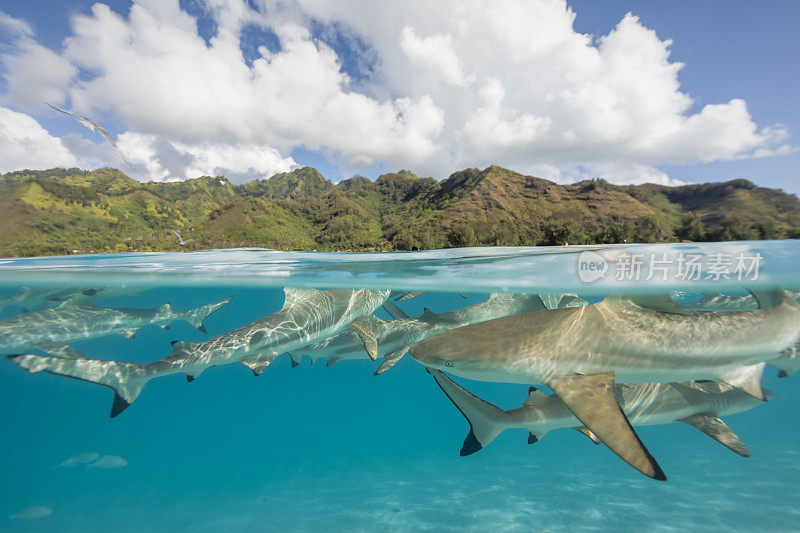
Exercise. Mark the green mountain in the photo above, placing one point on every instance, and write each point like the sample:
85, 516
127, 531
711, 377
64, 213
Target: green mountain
59, 211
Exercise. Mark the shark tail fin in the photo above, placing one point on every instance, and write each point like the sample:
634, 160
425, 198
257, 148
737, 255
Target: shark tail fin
486, 421
196, 316
126, 379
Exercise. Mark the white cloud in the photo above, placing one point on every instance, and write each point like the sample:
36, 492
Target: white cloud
161, 160
24, 144
456, 84
36, 74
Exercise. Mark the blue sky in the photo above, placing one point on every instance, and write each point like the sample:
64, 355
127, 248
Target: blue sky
349, 88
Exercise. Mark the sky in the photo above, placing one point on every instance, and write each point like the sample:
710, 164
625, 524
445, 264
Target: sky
627, 91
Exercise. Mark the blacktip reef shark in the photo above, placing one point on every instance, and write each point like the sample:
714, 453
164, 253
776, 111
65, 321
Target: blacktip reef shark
307, 315
32, 299
76, 319
580, 352
789, 361
714, 301
699, 404
395, 337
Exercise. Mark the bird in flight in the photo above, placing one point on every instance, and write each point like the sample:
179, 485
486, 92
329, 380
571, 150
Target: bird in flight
94, 126
180, 239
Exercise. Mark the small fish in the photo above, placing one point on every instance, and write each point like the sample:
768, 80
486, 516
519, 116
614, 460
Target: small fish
34, 512
80, 459
108, 462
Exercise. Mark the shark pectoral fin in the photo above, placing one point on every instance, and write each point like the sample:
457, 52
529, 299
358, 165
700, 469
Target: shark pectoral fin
390, 360
129, 333
586, 431
394, 311
659, 302
257, 364
593, 401
60, 350
748, 378
718, 430
363, 327
332, 361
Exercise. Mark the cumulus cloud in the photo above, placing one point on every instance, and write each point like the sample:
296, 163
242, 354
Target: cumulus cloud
162, 160
25, 144
36, 74
452, 85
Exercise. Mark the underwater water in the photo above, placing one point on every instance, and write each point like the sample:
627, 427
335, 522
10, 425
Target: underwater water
336, 448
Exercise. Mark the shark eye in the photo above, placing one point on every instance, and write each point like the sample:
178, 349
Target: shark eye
448, 363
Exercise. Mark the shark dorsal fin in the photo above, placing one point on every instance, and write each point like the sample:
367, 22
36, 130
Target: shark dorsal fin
293, 296
533, 395
572, 300
78, 299
332, 361
593, 401
427, 314
718, 430
767, 298
748, 378
179, 346
551, 300
658, 302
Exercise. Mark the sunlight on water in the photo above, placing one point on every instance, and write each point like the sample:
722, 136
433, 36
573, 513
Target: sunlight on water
398, 391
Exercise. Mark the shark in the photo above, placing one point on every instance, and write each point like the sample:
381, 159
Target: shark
789, 361
581, 352
699, 404
29, 299
307, 315
76, 319
714, 301
395, 337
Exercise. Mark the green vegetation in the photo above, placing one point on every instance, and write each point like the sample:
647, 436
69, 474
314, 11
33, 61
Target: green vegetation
58, 211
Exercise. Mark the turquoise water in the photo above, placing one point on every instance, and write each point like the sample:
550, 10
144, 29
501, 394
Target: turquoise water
338, 449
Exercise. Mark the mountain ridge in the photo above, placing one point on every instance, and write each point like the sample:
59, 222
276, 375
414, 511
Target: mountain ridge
58, 211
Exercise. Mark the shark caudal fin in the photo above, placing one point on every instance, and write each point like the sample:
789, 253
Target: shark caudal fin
485, 420
364, 327
125, 379
196, 316
592, 399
